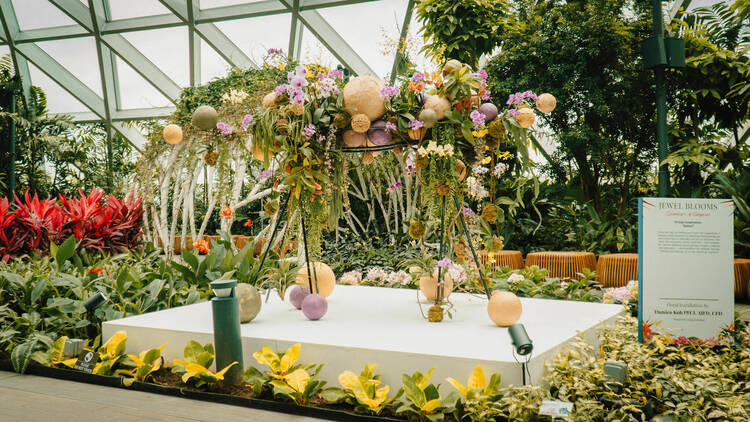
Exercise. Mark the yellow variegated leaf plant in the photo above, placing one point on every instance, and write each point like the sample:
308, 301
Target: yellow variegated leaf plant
111, 353
422, 399
363, 390
476, 387
146, 363
286, 378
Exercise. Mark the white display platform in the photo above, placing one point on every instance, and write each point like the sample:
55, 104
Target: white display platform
384, 326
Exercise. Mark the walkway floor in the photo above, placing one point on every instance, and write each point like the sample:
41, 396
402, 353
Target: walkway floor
30, 398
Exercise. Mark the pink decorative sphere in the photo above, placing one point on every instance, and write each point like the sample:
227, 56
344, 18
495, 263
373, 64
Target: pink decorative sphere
379, 137
489, 110
297, 295
314, 306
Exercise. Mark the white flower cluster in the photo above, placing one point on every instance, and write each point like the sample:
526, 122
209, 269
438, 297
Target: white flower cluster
515, 278
411, 163
477, 169
500, 168
352, 277
327, 87
234, 97
399, 277
457, 272
376, 274
475, 188
433, 148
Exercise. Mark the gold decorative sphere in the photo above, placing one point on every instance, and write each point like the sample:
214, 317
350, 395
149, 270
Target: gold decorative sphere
438, 104
324, 274
362, 95
504, 308
525, 117
428, 284
360, 123
353, 139
269, 100
546, 103
172, 134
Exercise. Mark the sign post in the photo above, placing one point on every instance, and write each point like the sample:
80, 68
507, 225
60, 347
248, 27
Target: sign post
685, 268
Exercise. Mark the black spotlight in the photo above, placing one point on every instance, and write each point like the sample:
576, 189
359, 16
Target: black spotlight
520, 339
94, 302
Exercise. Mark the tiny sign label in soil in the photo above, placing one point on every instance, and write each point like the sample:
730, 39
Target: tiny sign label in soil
86, 361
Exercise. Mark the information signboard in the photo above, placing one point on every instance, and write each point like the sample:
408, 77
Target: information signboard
685, 268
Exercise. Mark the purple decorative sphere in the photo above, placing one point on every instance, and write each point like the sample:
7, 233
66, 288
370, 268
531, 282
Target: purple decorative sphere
314, 306
379, 137
297, 295
489, 110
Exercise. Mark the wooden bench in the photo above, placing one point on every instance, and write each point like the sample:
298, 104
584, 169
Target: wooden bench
616, 269
562, 264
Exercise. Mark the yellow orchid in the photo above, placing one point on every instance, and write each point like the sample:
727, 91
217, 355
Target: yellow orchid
479, 133
486, 160
476, 386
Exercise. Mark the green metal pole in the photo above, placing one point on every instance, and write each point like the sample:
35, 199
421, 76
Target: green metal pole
12, 158
661, 105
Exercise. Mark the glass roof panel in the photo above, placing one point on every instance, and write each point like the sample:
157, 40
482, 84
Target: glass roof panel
136, 92
212, 64
256, 35
170, 54
207, 4
121, 9
366, 27
35, 14
58, 99
313, 51
78, 55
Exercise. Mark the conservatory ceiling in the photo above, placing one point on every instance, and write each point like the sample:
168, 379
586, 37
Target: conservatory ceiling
121, 60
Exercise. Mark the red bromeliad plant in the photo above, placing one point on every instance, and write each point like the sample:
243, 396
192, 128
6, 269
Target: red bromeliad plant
29, 225
12, 237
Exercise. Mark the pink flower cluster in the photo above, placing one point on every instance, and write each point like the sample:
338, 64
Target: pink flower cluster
417, 77
247, 121
500, 169
265, 174
518, 97
293, 89
390, 126
275, 51
309, 130
389, 91
415, 124
336, 74
395, 186
224, 128
477, 118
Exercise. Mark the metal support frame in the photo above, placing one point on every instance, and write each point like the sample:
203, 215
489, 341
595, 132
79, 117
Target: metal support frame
93, 19
402, 41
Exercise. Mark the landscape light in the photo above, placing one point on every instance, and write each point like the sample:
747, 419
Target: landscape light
225, 308
223, 288
520, 339
94, 302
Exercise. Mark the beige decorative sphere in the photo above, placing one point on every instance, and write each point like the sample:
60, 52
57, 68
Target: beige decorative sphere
429, 117
324, 274
205, 117
257, 150
362, 95
269, 100
250, 301
546, 103
172, 134
438, 104
525, 117
452, 66
504, 308
353, 139
360, 123
428, 285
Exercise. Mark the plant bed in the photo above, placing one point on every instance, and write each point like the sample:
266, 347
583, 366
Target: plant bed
170, 384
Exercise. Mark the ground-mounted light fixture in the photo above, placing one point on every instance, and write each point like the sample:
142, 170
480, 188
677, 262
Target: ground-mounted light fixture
522, 346
225, 308
94, 302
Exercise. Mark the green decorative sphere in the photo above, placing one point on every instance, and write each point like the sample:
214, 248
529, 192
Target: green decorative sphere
205, 118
